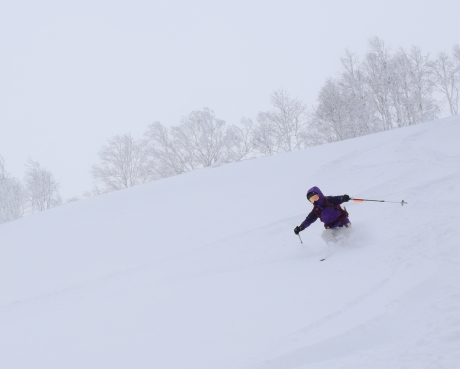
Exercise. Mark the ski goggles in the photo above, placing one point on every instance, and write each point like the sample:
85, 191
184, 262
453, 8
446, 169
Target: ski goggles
313, 198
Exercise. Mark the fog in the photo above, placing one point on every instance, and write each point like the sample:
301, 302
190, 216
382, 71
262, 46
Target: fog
74, 74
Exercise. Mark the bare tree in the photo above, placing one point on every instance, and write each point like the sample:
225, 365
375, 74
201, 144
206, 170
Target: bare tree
446, 78
124, 163
11, 196
42, 190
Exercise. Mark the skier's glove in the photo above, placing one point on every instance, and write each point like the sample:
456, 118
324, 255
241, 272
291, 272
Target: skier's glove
345, 198
298, 229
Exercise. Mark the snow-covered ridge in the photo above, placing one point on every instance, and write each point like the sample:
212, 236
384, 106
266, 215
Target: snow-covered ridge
203, 270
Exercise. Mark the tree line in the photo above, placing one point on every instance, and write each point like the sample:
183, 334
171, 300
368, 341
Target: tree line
38, 191
381, 91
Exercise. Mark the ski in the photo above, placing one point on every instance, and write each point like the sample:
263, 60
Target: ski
325, 257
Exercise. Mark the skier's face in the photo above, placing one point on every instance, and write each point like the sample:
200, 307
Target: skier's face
314, 198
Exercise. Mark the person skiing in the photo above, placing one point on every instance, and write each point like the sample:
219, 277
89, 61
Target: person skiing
329, 211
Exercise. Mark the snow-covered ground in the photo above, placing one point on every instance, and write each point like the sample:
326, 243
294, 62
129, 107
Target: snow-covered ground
203, 270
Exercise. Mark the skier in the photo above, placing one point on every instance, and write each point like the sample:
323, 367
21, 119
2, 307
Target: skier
329, 211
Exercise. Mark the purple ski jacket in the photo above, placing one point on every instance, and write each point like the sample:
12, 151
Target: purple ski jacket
329, 215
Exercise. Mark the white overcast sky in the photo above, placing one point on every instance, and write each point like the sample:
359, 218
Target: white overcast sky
74, 73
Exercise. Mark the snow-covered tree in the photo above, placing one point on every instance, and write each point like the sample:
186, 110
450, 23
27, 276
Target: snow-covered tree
205, 139
42, 190
356, 92
200, 140
445, 73
330, 114
244, 144
72, 199
11, 196
345, 108
165, 158
123, 163
456, 54
383, 83
359, 115
96, 191
265, 141
284, 128
415, 92
385, 91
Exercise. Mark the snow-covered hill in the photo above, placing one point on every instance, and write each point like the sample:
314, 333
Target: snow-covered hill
203, 270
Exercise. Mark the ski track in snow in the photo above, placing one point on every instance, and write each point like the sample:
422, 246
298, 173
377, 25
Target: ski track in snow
204, 271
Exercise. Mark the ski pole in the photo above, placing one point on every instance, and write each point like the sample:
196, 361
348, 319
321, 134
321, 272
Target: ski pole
395, 202
300, 238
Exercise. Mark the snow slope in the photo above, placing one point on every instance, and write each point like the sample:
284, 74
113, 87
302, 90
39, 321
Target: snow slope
203, 270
